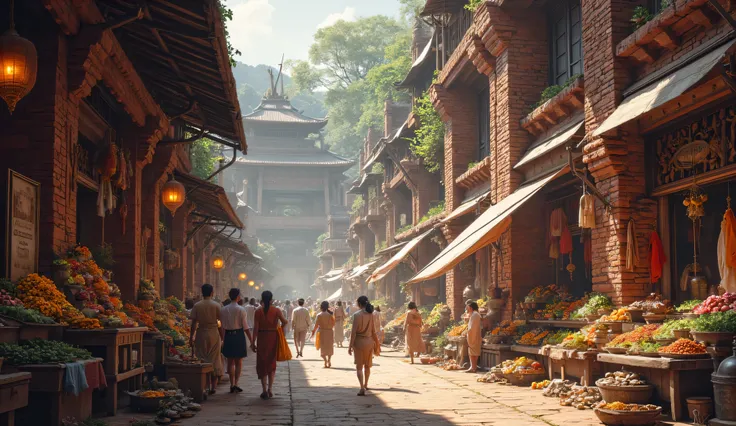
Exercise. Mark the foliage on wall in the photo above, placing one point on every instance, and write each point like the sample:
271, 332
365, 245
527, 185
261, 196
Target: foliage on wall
429, 141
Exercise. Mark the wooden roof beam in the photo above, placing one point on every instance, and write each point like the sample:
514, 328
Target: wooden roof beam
703, 17
667, 39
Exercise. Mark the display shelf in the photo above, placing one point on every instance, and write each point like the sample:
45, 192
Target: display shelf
675, 379
559, 323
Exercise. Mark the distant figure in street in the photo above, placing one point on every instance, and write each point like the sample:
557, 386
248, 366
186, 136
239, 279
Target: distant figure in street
362, 342
474, 335
250, 311
413, 331
301, 322
377, 323
288, 309
340, 316
324, 325
207, 343
265, 342
235, 323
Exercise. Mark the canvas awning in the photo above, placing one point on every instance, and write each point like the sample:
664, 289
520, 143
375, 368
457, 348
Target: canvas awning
548, 143
391, 249
332, 279
359, 270
334, 296
483, 231
399, 257
466, 207
664, 90
210, 200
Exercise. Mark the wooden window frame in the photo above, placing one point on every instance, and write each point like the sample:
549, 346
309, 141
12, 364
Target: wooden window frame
563, 9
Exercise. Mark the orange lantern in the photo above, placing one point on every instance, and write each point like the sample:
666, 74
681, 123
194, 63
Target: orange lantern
218, 262
173, 195
18, 65
251, 283
256, 287
242, 276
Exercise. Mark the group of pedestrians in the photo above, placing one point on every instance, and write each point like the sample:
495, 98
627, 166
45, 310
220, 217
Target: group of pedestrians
220, 331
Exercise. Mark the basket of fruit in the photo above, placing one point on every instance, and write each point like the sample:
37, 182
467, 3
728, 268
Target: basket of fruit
626, 387
620, 414
148, 401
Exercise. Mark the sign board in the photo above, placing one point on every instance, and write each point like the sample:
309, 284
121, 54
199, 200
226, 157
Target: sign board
22, 215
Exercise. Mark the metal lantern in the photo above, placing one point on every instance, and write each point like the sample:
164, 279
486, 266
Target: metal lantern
18, 65
251, 283
242, 276
173, 195
218, 262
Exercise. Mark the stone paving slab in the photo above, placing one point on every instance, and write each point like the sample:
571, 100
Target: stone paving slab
401, 394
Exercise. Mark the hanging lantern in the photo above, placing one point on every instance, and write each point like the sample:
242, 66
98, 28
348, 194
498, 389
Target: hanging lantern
257, 287
218, 262
173, 195
242, 276
251, 283
18, 65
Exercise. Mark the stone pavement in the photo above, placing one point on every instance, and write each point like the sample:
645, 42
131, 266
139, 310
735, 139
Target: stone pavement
401, 394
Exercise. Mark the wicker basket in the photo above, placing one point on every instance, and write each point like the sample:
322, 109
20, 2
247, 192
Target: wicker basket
525, 380
627, 418
640, 394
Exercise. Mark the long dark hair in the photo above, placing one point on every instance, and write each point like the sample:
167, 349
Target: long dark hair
324, 306
365, 304
266, 298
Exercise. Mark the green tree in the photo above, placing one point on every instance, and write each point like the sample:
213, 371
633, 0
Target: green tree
429, 143
203, 158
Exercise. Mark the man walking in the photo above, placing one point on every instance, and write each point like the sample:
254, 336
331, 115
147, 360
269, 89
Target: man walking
300, 323
235, 324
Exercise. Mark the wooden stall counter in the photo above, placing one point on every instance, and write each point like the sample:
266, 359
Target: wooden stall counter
49, 403
192, 378
567, 364
492, 354
675, 379
122, 351
13, 395
559, 323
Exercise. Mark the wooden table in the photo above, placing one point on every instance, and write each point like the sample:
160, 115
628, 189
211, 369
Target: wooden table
13, 395
122, 351
581, 365
192, 378
492, 354
155, 350
675, 379
48, 402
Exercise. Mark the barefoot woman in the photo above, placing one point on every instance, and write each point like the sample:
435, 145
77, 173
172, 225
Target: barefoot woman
362, 342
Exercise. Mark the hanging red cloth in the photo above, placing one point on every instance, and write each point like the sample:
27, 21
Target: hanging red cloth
565, 240
657, 259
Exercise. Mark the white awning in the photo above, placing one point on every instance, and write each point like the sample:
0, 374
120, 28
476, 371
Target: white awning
334, 278
663, 90
387, 267
483, 231
466, 207
359, 270
549, 142
334, 296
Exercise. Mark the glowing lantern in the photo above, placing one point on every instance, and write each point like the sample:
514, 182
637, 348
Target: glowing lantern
18, 65
242, 276
251, 283
173, 195
218, 262
257, 287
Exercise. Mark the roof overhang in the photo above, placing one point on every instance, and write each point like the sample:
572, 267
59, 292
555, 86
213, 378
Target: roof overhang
419, 65
210, 201
438, 7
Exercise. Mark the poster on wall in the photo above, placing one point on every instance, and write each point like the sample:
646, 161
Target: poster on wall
22, 220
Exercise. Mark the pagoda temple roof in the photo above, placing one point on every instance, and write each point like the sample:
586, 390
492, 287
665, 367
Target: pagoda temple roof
279, 110
316, 158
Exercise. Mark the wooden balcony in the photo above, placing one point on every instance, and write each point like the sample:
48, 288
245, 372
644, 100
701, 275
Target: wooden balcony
335, 245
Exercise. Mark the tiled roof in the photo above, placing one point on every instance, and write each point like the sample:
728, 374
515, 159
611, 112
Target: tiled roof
319, 158
280, 111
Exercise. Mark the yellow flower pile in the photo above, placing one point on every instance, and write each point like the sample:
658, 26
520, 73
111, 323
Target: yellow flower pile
39, 293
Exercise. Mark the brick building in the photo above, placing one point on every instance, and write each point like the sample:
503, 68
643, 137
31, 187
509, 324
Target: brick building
631, 117
111, 76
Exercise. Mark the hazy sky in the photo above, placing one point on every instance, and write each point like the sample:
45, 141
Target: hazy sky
264, 29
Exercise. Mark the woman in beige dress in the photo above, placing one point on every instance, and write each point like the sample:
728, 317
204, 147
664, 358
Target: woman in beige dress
325, 323
474, 335
339, 324
413, 331
205, 337
363, 342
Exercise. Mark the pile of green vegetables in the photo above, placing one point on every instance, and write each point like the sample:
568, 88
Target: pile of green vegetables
22, 314
435, 316
39, 351
557, 337
595, 301
666, 331
647, 347
716, 322
688, 305
578, 341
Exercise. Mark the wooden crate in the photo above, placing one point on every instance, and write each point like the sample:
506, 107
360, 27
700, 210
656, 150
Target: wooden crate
13, 395
191, 377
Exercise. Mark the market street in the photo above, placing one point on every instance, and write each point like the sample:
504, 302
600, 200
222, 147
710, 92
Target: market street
401, 394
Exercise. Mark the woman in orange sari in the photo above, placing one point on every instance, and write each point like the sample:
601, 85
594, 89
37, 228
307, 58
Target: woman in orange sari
363, 342
413, 332
265, 342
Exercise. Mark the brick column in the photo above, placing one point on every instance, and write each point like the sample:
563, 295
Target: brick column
616, 161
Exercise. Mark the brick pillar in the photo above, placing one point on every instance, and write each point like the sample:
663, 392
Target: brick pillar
616, 161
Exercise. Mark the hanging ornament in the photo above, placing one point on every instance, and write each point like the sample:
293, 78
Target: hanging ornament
18, 65
173, 195
586, 211
694, 200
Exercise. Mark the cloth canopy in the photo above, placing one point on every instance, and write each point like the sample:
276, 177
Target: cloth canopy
549, 142
663, 90
483, 231
466, 207
334, 278
334, 296
392, 263
359, 270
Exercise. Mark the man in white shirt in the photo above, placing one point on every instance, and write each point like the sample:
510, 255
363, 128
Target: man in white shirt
250, 313
235, 325
300, 322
